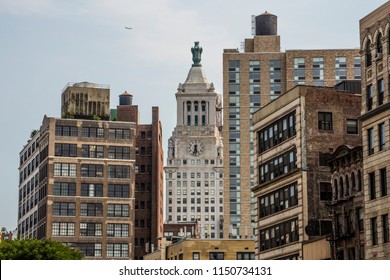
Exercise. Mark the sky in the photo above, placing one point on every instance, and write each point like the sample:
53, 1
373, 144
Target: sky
45, 44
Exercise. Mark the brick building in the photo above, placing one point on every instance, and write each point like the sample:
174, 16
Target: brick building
375, 50
78, 177
294, 136
148, 224
251, 79
346, 203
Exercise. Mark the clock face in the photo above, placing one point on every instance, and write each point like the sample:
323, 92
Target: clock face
195, 147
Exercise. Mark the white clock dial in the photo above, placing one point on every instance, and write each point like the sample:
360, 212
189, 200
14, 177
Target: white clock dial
195, 147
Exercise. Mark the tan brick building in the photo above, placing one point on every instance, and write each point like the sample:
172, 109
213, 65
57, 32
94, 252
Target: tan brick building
205, 249
251, 79
294, 136
375, 50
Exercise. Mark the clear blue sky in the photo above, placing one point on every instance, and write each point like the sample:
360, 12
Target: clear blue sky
44, 44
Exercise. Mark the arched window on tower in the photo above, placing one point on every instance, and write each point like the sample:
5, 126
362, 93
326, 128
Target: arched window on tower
196, 110
347, 185
368, 54
188, 113
379, 48
336, 189
203, 113
341, 187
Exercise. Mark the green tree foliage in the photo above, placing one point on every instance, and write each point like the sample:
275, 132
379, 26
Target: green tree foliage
32, 249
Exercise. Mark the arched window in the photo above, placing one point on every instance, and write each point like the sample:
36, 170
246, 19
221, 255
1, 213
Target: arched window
368, 53
188, 113
341, 187
353, 182
359, 180
336, 189
379, 48
346, 185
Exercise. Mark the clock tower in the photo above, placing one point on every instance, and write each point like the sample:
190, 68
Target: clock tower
194, 170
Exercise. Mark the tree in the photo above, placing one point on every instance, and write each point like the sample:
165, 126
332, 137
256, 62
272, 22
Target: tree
32, 249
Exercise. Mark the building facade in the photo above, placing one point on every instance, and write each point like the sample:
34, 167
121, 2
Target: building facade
205, 249
78, 176
375, 53
29, 187
194, 170
149, 156
251, 79
346, 204
294, 136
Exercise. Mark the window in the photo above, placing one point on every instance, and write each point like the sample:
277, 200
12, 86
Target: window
62, 130
341, 68
381, 136
325, 121
275, 201
383, 179
283, 164
119, 171
90, 249
246, 256
370, 97
118, 250
352, 126
118, 210
370, 139
64, 189
91, 209
368, 54
118, 190
371, 182
374, 231
385, 228
92, 170
381, 91
92, 190
323, 158
119, 133
357, 72
63, 229
318, 71
117, 230
65, 169
277, 132
92, 132
216, 256
120, 152
90, 229
65, 150
325, 191
196, 256
92, 151
64, 209
278, 235
299, 70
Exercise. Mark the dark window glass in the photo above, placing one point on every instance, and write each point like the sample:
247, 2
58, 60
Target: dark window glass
325, 121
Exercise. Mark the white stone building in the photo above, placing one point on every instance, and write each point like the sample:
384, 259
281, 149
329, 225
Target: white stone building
194, 171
